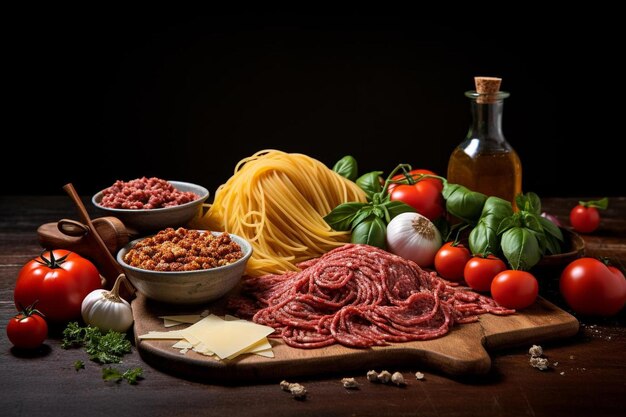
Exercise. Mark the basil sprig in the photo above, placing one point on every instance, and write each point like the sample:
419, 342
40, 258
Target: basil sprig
522, 237
368, 221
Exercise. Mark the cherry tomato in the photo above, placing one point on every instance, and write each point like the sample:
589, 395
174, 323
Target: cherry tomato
415, 175
58, 281
514, 289
450, 261
423, 196
591, 288
479, 271
27, 330
584, 219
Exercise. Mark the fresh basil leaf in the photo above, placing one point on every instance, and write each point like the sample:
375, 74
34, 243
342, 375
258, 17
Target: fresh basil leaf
483, 240
550, 228
528, 202
506, 224
341, 217
601, 204
347, 167
520, 247
378, 211
463, 203
362, 214
541, 240
370, 183
371, 232
531, 221
497, 207
553, 246
397, 207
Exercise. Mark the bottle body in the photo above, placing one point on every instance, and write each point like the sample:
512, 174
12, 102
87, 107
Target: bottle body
491, 173
485, 161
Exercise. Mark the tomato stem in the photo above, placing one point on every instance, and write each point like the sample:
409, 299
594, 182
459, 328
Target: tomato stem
52, 262
29, 310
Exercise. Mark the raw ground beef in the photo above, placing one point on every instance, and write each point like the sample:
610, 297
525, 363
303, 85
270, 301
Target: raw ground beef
359, 296
144, 193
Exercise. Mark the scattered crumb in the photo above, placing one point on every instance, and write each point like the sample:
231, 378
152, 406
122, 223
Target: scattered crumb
384, 377
539, 363
555, 364
298, 391
419, 375
572, 357
563, 373
372, 376
535, 350
350, 383
184, 351
398, 379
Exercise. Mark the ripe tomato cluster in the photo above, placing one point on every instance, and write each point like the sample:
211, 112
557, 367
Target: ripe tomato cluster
510, 288
588, 286
56, 284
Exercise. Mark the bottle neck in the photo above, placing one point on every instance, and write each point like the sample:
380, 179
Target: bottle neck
487, 121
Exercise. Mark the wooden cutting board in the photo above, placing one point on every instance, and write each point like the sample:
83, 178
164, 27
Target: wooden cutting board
462, 351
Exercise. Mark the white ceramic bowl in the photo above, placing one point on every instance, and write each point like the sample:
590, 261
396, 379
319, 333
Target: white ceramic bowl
146, 220
187, 287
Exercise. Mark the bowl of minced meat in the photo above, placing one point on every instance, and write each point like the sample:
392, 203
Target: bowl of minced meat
150, 204
182, 266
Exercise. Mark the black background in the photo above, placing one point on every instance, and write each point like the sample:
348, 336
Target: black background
108, 96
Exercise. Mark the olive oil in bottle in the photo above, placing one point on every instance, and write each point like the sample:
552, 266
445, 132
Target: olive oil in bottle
485, 161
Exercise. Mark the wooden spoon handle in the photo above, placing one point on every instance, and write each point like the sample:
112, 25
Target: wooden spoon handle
113, 269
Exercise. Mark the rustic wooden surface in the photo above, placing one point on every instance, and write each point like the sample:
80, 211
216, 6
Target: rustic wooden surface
460, 352
589, 379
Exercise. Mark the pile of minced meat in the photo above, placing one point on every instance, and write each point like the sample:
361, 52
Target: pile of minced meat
144, 193
183, 250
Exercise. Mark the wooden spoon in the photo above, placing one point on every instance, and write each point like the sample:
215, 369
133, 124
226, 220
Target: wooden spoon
110, 268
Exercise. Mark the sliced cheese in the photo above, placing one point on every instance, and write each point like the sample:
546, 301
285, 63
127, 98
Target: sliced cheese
262, 345
186, 318
172, 335
211, 335
182, 344
226, 338
268, 353
170, 323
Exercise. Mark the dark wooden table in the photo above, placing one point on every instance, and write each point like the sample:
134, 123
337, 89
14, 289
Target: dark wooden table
589, 379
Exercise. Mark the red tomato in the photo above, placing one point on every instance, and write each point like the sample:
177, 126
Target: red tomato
415, 175
616, 271
591, 288
584, 219
450, 261
479, 271
58, 283
423, 196
514, 289
27, 331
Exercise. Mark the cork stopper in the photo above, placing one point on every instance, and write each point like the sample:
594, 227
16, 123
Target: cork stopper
488, 88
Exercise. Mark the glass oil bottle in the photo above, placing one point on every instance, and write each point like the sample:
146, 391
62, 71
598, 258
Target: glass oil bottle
485, 161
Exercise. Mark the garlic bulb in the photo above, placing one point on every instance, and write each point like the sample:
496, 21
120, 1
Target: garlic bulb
107, 310
414, 237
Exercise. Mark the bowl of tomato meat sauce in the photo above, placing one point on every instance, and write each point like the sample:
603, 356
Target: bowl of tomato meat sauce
183, 266
151, 204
